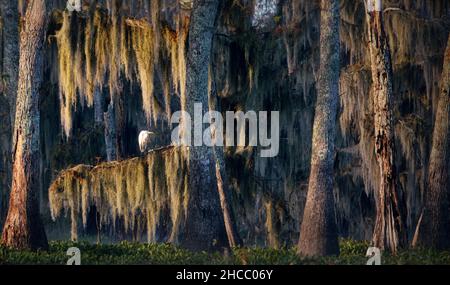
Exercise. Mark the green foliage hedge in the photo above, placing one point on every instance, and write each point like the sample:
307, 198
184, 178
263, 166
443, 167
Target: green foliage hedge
126, 253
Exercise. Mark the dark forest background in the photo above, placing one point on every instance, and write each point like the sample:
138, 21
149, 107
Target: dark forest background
269, 65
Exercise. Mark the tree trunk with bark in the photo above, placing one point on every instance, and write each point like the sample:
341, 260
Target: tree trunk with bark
98, 106
234, 239
9, 12
204, 221
318, 234
434, 228
389, 233
110, 133
120, 124
23, 227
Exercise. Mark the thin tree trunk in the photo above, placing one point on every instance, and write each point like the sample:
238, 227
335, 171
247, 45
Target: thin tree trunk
114, 124
23, 227
98, 106
389, 233
204, 222
434, 230
119, 116
110, 133
318, 234
234, 239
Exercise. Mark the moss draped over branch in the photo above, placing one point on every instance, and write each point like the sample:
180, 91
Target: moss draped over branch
149, 190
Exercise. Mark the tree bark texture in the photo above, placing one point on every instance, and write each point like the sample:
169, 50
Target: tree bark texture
318, 233
110, 133
120, 124
204, 222
9, 12
23, 227
389, 233
434, 230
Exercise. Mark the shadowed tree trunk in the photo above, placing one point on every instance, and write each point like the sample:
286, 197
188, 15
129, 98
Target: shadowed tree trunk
23, 226
234, 239
389, 233
10, 17
204, 221
120, 124
114, 121
98, 106
318, 234
110, 132
434, 228
9, 12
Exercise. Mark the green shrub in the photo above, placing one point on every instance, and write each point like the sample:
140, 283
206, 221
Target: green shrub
126, 253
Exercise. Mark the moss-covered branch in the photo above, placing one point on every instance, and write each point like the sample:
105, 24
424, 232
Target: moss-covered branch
149, 190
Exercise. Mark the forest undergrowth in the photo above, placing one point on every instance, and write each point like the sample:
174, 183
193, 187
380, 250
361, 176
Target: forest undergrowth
126, 253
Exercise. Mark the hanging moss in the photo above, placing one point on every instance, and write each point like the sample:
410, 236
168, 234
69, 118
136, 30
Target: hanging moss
98, 49
175, 43
150, 190
276, 71
67, 83
143, 40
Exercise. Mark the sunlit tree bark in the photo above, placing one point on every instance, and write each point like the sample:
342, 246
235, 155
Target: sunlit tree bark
23, 226
389, 233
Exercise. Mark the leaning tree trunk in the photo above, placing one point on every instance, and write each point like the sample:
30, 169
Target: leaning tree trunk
389, 233
234, 239
434, 229
318, 234
204, 221
23, 226
9, 11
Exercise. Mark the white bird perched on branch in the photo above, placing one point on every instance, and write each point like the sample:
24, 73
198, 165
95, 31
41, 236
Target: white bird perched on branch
145, 139
73, 5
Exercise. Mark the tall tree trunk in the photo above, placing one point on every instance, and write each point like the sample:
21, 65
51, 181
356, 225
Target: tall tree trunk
5, 156
389, 233
318, 234
9, 12
204, 221
434, 229
23, 227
